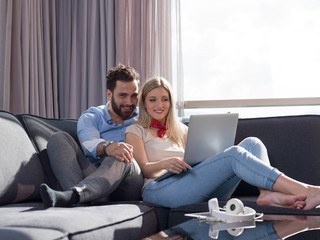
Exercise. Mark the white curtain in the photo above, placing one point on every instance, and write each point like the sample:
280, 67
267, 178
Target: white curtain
54, 54
152, 40
144, 35
177, 63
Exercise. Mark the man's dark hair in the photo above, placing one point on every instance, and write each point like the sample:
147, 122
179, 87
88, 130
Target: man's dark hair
121, 73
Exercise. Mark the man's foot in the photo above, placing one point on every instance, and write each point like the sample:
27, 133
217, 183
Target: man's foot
276, 199
52, 198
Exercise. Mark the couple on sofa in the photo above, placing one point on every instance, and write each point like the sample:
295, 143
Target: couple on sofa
125, 151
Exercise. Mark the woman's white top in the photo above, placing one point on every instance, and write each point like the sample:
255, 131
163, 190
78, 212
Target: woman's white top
156, 148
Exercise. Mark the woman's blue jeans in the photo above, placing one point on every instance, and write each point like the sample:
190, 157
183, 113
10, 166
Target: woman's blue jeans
217, 176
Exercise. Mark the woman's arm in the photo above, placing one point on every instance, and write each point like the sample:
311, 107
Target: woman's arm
153, 169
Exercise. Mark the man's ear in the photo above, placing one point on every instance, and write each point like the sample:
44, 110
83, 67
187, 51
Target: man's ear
109, 94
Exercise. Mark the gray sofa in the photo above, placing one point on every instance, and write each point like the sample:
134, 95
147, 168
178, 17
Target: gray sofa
24, 166
293, 144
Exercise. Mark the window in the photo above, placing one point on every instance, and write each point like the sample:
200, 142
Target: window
251, 49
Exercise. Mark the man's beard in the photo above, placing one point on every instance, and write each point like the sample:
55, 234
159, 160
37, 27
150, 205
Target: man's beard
117, 109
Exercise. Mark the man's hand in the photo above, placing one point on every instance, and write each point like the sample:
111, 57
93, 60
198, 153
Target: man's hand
121, 151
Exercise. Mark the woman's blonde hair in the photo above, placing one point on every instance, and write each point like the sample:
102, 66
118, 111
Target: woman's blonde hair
176, 133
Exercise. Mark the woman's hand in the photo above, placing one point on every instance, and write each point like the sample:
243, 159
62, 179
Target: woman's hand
175, 165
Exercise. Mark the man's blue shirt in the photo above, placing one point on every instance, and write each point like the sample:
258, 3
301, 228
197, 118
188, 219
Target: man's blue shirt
95, 126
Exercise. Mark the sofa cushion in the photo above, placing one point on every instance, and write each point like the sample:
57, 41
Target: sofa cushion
40, 129
27, 233
21, 172
117, 221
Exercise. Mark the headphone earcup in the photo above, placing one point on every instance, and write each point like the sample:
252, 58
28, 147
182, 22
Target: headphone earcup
235, 231
234, 206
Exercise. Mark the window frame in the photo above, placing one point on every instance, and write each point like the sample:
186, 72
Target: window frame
267, 102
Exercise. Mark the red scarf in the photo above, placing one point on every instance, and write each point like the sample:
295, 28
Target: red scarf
162, 128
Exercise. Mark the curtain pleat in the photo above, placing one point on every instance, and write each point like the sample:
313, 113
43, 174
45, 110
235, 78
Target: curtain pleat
54, 54
6, 12
14, 59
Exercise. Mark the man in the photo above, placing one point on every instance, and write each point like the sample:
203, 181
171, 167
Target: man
111, 170
109, 122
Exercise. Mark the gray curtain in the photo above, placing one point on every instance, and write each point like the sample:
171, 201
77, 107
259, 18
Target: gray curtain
54, 54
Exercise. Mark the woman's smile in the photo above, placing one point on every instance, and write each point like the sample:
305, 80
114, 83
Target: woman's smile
157, 104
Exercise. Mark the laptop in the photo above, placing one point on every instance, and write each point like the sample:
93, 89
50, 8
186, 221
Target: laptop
208, 135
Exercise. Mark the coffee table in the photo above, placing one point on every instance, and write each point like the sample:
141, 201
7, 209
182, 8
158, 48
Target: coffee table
269, 227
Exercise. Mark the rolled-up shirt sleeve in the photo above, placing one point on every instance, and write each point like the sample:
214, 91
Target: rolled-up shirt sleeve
88, 132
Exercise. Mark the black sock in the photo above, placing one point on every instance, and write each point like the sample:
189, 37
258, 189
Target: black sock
52, 198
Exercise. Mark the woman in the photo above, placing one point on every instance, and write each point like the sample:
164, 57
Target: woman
158, 140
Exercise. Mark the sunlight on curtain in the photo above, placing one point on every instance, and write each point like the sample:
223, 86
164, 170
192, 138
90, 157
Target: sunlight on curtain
148, 38
177, 64
144, 37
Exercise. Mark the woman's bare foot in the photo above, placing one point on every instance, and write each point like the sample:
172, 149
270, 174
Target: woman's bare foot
290, 186
276, 199
313, 197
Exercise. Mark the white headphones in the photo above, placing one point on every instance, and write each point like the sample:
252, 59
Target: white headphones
234, 211
234, 217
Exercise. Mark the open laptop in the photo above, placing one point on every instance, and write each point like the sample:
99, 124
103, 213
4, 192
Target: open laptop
208, 135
